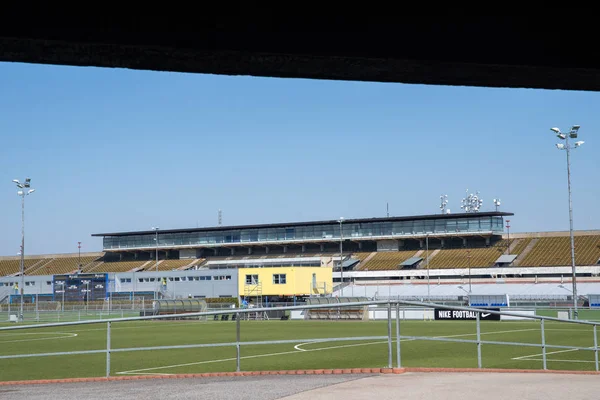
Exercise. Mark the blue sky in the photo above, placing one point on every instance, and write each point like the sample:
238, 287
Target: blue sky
116, 150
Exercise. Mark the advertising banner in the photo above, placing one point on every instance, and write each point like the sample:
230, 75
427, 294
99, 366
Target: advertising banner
442, 314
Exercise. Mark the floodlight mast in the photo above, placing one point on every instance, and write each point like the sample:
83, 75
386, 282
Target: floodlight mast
497, 204
341, 220
21, 192
471, 203
155, 229
573, 133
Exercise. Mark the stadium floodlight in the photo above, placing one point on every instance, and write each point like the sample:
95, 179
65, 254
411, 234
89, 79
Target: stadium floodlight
23, 193
497, 203
567, 147
574, 130
471, 203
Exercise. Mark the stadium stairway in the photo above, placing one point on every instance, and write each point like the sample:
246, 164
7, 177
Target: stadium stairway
149, 263
513, 245
364, 262
431, 255
525, 251
94, 267
37, 267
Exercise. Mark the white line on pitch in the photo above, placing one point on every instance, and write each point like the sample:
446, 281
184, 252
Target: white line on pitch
297, 347
524, 358
68, 335
571, 361
135, 371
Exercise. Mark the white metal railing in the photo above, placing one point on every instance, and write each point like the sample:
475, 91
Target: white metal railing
389, 337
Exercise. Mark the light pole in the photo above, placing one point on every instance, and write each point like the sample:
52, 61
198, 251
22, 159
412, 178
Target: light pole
79, 248
468, 294
427, 261
508, 236
469, 261
341, 220
155, 229
567, 147
497, 204
22, 192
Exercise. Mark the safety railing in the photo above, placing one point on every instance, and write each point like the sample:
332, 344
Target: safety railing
391, 336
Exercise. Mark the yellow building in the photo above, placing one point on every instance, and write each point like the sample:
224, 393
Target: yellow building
284, 281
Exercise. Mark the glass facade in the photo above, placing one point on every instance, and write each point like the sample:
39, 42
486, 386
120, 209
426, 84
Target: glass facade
354, 230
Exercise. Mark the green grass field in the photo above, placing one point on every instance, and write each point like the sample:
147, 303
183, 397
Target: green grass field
339, 354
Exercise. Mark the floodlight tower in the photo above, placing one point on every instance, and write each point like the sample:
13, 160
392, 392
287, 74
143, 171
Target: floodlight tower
79, 257
427, 261
444, 199
497, 204
471, 203
469, 261
24, 189
155, 229
341, 220
573, 133
508, 237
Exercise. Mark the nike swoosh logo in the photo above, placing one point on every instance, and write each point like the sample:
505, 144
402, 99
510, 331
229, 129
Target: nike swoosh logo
485, 315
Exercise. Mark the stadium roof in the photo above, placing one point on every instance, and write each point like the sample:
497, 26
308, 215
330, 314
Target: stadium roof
309, 223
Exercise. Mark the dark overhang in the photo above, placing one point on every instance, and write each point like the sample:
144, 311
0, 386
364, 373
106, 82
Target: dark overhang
311, 223
494, 51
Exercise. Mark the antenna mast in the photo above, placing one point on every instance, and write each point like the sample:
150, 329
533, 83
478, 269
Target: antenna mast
220, 217
444, 199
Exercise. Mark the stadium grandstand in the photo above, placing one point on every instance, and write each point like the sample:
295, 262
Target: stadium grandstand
304, 260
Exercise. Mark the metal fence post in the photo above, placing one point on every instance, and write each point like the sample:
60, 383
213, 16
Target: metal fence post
237, 342
478, 341
596, 347
390, 361
398, 359
107, 349
543, 345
